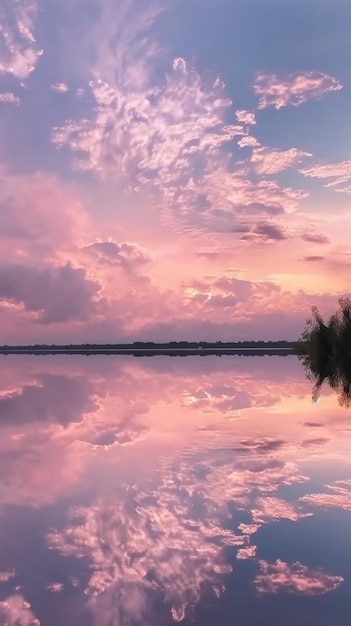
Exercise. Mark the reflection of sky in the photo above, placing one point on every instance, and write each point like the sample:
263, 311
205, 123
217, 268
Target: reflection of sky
147, 491
168, 167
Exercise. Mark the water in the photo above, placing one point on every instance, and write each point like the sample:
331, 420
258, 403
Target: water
148, 491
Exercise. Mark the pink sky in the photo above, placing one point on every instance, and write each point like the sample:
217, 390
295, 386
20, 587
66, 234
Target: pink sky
150, 192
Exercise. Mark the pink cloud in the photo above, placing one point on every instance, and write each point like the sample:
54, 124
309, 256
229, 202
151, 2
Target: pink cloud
294, 90
296, 578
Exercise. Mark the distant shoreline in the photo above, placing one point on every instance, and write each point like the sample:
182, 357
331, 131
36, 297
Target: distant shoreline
173, 348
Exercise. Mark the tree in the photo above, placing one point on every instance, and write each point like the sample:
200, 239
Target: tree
325, 351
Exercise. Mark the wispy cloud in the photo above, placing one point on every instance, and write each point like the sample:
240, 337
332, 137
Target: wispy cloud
293, 90
340, 173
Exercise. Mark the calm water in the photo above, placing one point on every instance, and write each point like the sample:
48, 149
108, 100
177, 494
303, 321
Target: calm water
148, 491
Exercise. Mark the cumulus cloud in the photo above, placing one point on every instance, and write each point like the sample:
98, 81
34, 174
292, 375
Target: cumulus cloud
339, 173
293, 90
19, 52
55, 294
295, 578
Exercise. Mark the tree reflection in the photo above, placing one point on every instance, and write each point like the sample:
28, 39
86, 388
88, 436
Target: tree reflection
325, 351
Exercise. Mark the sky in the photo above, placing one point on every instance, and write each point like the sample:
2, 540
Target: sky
172, 170
163, 490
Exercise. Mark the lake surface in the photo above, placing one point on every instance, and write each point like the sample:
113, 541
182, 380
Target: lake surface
150, 491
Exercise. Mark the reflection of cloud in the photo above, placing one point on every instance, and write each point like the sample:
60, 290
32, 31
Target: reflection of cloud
169, 538
6, 576
19, 53
340, 498
246, 553
270, 509
146, 545
16, 611
53, 398
294, 90
294, 578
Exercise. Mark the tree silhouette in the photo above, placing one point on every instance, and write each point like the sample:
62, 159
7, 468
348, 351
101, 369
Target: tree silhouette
325, 351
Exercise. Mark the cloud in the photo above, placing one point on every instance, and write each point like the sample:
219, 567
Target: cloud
19, 52
9, 98
340, 173
293, 90
270, 231
60, 87
245, 117
55, 294
129, 256
16, 611
248, 142
314, 441
158, 126
313, 258
271, 160
312, 237
40, 217
295, 578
